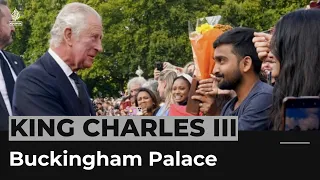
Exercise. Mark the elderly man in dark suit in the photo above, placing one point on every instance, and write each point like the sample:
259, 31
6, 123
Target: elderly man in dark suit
50, 86
11, 65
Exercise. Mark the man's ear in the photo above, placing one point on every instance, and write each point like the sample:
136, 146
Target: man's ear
245, 64
67, 35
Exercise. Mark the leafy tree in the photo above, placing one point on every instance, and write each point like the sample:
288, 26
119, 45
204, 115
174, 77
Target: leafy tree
139, 32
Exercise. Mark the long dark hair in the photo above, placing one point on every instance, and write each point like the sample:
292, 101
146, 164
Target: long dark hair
153, 98
295, 44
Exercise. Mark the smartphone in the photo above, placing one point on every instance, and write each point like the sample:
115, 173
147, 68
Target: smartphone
269, 78
159, 66
135, 111
301, 113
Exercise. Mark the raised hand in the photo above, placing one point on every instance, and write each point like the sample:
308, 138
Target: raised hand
156, 74
262, 43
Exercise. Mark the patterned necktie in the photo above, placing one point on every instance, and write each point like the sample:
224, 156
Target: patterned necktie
7, 75
83, 97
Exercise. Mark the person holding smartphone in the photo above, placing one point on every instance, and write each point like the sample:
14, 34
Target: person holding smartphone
295, 44
147, 102
160, 66
270, 68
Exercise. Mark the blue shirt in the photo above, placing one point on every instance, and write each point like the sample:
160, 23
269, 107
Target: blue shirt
161, 113
254, 112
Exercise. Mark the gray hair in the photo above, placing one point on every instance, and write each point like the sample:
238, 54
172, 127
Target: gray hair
136, 81
3, 2
74, 16
153, 86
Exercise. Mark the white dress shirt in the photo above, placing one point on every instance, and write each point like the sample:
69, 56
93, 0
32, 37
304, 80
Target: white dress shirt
3, 88
66, 69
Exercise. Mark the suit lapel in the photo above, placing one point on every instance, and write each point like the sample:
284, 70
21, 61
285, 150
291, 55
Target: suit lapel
13, 62
3, 105
55, 70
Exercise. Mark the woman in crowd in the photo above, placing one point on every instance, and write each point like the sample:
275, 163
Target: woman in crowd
270, 65
147, 101
180, 89
165, 83
180, 93
189, 68
294, 43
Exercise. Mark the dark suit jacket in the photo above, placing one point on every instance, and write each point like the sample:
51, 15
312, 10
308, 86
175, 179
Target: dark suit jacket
17, 65
43, 89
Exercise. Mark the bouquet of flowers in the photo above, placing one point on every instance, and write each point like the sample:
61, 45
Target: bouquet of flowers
202, 37
206, 32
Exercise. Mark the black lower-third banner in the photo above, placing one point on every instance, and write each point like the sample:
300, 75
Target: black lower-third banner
258, 154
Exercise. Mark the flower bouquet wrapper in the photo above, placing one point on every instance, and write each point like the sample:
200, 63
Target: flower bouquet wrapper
202, 38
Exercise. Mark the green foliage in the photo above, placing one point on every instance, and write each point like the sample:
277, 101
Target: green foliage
140, 32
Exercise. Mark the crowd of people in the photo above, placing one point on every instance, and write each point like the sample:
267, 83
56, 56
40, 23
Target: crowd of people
147, 96
253, 73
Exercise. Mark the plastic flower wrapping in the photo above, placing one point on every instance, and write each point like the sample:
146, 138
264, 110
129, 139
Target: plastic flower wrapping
206, 31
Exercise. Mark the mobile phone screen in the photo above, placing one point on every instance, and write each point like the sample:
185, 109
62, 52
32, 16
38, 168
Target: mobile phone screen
159, 66
302, 119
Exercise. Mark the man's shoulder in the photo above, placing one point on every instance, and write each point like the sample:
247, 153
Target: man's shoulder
226, 108
11, 55
260, 90
256, 108
34, 70
260, 96
263, 87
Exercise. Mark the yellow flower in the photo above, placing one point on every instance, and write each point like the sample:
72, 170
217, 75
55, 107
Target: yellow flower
204, 28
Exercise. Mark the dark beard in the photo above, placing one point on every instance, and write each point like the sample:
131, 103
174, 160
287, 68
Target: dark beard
231, 84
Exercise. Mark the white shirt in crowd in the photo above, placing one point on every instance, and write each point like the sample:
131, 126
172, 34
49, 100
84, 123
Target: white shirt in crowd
3, 88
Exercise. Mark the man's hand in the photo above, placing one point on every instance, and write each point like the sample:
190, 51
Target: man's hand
206, 105
207, 93
210, 87
262, 43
